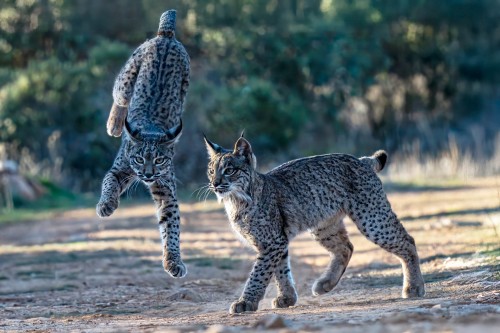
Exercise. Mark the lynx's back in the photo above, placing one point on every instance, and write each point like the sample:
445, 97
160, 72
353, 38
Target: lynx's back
158, 97
330, 170
154, 81
312, 189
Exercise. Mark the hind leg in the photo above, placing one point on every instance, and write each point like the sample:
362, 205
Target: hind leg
381, 226
165, 197
333, 237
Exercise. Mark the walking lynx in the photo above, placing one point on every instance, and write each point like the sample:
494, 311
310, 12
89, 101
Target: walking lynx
148, 98
314, 194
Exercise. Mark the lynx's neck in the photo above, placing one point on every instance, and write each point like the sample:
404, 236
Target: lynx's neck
239, 203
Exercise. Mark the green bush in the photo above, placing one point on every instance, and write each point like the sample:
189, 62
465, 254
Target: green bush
270, 67
272, 119
50, 109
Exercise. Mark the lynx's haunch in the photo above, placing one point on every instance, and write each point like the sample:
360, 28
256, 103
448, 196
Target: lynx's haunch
315, 194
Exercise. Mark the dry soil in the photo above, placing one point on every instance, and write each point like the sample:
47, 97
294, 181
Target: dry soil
75, 272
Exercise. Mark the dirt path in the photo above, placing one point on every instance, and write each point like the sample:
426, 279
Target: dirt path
77, 273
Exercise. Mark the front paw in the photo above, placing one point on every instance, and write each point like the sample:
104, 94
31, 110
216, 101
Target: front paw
242, 305
417, 289
106, 208
176, 269
284, 301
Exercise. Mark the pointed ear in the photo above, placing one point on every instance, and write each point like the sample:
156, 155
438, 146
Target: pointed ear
213, 148
172, 135
134, 138
243, 148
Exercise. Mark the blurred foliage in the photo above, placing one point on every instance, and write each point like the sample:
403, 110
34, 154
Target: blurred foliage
257, 106
55, 200
296, 74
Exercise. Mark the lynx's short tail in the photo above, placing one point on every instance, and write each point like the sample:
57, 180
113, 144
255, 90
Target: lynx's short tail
167, 23
376, 161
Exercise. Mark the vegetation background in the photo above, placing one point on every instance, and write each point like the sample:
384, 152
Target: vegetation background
418, 78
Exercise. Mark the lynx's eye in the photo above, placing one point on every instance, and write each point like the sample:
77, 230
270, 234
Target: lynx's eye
159, 160
229, 171
139, 160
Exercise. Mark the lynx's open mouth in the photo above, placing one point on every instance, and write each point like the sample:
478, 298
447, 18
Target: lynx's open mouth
221, 189
149, 181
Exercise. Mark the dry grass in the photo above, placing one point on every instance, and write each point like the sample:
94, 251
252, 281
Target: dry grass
452, 164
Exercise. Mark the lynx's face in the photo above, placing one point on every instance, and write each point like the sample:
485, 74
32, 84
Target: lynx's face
151, 160
150, 155
230, 172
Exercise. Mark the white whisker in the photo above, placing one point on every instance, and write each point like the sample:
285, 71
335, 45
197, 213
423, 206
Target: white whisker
200, 191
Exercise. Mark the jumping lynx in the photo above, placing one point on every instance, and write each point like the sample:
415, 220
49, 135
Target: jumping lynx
314, 194
152, 85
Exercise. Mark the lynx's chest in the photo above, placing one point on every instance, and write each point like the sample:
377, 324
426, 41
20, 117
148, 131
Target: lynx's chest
240, 218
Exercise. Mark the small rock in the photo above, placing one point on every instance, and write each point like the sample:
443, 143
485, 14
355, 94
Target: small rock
218, 329
492, 297
271, 322
436, 307
185, 295
445, 222
105, 305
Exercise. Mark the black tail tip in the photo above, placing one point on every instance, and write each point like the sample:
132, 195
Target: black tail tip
381, 157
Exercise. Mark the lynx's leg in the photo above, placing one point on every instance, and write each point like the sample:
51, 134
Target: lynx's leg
165, 197
287, 296
333, 237
381, 226
115, 182
262, 271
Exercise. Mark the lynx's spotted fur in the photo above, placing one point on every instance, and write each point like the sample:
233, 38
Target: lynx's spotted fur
148, 98
313, 194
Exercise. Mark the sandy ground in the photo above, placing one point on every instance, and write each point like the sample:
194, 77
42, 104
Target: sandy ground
76, 272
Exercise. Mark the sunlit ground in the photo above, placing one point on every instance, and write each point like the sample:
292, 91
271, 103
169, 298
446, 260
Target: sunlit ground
75, 270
